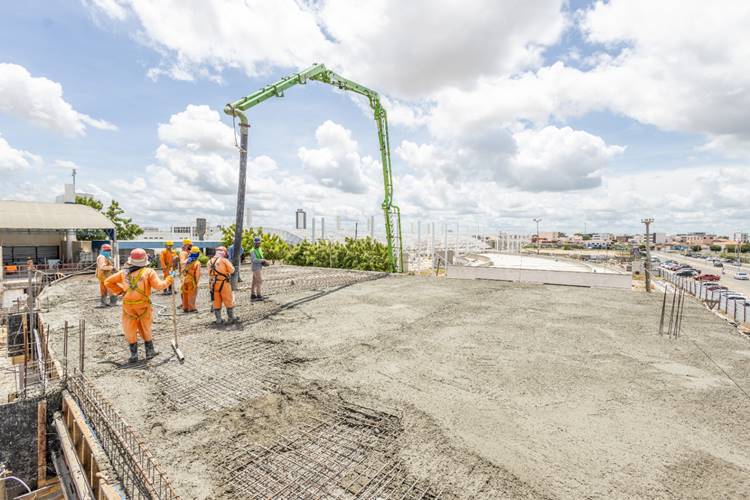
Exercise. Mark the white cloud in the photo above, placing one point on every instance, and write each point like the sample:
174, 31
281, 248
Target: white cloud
40, 101
394, 46
15, 159
559, 159
336, 162
198, 127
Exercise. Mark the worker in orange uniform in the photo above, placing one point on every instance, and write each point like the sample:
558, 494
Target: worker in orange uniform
167, 261
190, 276
135, 283
104, 268
220, 270
187, 245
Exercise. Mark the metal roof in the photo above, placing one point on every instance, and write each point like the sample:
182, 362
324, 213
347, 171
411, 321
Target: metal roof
55, 216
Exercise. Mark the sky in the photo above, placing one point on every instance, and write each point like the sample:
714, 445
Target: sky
582, 113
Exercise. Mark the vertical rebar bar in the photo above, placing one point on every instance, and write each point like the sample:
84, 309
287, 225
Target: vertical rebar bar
65, 351
81, 343
663, 310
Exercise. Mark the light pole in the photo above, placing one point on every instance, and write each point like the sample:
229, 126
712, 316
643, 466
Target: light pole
648, 222
537, 234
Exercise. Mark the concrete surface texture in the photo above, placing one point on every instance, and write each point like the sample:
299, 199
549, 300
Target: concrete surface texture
539, 276
500, 390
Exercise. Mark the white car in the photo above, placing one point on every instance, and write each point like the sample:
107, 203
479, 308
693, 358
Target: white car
742, 275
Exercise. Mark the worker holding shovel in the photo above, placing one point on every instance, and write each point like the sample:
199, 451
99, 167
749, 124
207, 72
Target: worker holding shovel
135, 283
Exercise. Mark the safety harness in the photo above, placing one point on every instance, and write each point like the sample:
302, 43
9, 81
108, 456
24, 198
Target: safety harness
186, 275
133, 286
214, 273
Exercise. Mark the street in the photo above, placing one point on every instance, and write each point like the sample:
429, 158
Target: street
707, 267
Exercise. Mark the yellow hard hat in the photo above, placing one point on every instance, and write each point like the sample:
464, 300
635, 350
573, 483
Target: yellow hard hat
187, 241
195, 250
168, 243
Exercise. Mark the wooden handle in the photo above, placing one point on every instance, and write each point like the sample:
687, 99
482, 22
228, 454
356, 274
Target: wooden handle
174, 316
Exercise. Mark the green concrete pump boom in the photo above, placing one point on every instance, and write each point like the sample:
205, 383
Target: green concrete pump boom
320, 73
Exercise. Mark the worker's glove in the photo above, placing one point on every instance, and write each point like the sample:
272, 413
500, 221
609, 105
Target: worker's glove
173, 274
265, 263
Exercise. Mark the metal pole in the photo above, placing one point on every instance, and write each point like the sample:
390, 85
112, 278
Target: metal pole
432, 243
322, 228
356, 229
648, 222
81, 343
65, 351
240, 213
446, 246
419, 243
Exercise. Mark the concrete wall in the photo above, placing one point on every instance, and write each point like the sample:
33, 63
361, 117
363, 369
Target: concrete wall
572, 278
18, 436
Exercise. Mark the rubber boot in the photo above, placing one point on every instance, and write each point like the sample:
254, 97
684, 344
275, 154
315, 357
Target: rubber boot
113, 300
103, 300
217, 313
133, 353
231, 316
150, 353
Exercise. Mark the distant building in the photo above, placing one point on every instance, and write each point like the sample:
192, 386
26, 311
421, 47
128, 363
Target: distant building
46, 232
741, 237
70, 194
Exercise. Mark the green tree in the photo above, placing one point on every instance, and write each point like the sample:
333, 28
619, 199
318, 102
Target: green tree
715, 248
90, 234
730, 248
125, 227
745, 248
696, 248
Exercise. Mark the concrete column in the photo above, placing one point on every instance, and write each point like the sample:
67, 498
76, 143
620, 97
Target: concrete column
322, 228
70, 237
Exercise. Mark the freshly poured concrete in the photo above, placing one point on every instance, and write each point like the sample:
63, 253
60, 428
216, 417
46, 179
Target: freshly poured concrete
504, 390
521, 261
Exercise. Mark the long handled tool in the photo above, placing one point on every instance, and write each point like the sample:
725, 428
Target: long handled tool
175, 345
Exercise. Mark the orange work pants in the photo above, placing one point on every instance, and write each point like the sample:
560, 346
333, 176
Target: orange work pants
188, 300
102, 289
137, 319
223, 297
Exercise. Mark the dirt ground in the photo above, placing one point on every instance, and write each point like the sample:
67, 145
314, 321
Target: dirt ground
457, 389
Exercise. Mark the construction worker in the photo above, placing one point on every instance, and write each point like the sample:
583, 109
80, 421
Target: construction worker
30, 265
167, 262
104, 268
220, 270
256, 257
189, 278
135, 283
187, 245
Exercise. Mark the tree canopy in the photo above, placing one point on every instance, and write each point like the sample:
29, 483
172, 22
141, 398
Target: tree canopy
125, 227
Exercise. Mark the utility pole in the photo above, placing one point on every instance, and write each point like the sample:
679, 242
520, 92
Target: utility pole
647, 267
74, 184
537, 234
240, 213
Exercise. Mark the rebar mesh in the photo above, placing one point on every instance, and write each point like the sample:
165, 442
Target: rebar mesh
134, 465
350, 453
234, 369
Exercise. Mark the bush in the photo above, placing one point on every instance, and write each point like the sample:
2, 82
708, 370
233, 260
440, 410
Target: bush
274, 248
362, 254
203, 259
696, 248
715, 248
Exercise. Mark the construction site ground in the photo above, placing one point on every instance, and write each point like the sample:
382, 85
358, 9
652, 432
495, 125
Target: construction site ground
346, 384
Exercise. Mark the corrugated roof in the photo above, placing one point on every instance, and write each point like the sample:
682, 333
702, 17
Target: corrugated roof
33, 215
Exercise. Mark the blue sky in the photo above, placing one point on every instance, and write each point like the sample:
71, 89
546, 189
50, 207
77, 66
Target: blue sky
567, 111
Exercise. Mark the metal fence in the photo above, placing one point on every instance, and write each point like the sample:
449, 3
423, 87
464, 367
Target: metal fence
737, 310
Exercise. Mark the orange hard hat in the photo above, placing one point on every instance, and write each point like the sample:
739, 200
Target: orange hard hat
106, 246
138, 257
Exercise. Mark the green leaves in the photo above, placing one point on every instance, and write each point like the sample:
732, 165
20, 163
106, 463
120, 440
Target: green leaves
274, 248
363, 254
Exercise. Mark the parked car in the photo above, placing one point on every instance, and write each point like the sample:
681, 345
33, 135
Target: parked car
708, 277
742, 275
687, 273
715, 288
717, 263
